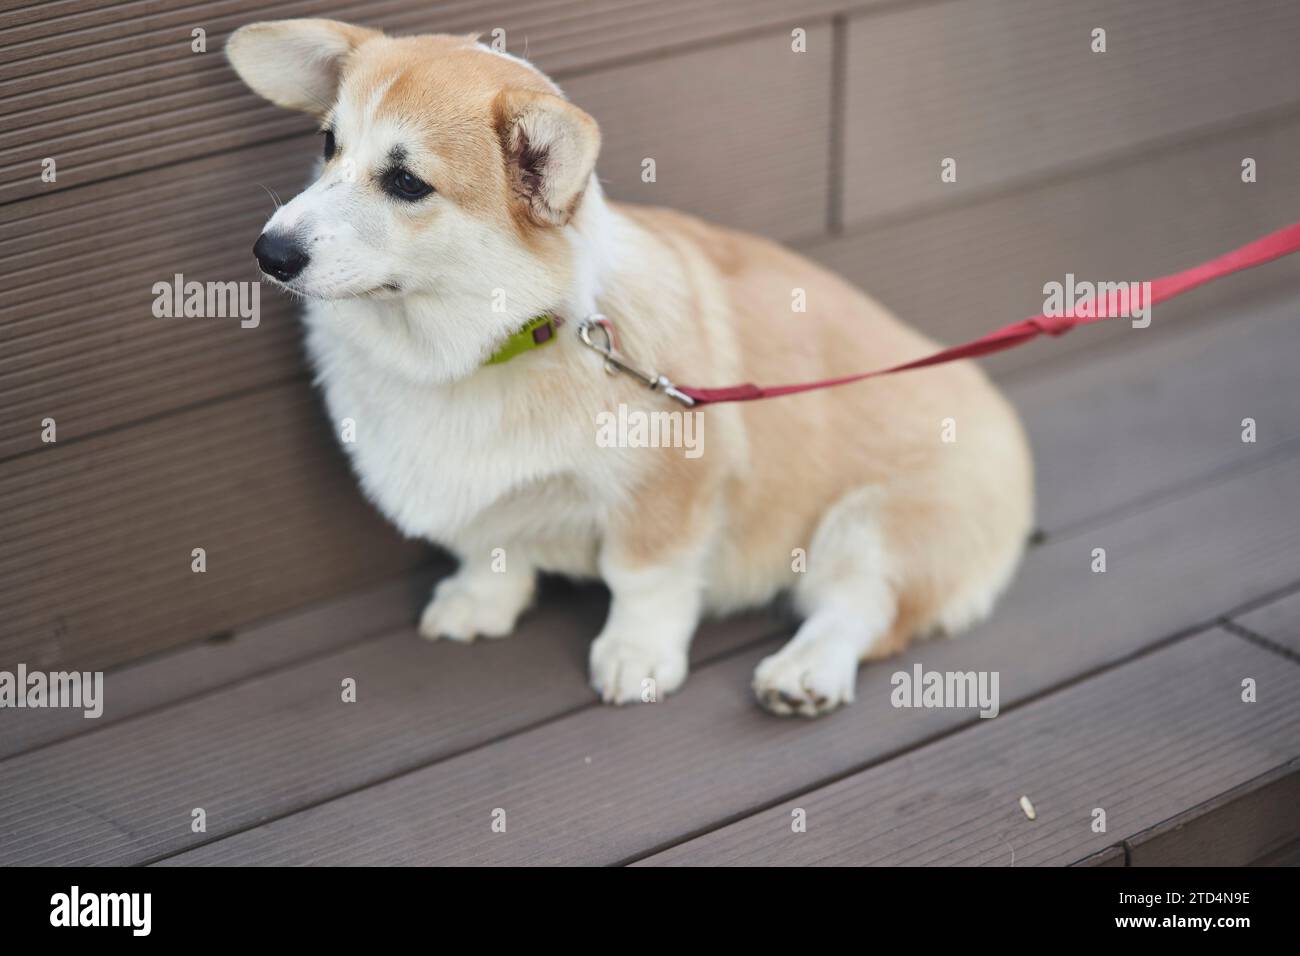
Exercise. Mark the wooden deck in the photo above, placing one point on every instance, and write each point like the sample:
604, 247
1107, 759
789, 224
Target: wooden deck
1119, 691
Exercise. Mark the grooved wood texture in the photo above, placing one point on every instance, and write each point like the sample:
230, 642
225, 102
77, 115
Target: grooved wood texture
82, 265
1142, 743
96, 564
752, 155
959, 272
1011, 89
1179, 404
285, 739
230, 658
116, 89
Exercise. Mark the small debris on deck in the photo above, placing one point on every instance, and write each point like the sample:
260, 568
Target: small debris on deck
1028, 808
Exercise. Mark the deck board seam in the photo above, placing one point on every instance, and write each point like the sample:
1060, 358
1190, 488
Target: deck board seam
1254, 604
836, 150
1259, 640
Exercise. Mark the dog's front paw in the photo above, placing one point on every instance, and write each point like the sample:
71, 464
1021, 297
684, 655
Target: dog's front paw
809, 679
624, 672
462, 613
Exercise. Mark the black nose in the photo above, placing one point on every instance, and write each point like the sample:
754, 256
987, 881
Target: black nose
279, 255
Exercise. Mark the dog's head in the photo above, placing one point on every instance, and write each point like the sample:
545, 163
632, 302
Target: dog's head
448, 169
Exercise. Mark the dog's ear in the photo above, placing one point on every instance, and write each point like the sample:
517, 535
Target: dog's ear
550, 149
295, 63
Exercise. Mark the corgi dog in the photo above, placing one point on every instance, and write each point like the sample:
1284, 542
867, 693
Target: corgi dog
448, 253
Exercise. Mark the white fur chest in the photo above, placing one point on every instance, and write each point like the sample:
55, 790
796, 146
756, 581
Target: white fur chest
457, 463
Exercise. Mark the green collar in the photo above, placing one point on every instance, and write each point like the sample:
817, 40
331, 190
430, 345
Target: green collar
536, 332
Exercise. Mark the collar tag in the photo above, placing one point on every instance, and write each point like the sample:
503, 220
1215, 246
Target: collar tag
536, 332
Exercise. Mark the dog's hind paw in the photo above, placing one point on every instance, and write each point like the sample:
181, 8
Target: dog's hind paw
808, 680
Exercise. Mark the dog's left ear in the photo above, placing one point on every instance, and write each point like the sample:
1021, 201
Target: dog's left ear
295, 64
550, 149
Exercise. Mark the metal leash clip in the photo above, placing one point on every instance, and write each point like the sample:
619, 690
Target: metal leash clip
597, 324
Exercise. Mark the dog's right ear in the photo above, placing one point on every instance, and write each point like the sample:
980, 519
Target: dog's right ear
296, 64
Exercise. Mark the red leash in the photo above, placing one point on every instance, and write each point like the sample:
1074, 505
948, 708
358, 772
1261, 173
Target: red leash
1273, 246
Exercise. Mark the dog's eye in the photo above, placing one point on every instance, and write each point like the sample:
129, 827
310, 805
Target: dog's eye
406, 185
329, 145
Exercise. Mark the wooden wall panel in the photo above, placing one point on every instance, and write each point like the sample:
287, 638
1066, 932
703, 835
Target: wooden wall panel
1012, 90
958, 272
95, 566
111, 91
1095, 455
81, 265
749, 151
97, 571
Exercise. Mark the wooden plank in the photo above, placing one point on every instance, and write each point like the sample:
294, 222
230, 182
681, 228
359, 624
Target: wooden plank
93, 69
778, 104
95, 567
764, 169
1012, 91
604, 786
70, 75
1124, 424
1277, 621
956, 273
95, 21
1142, 742
278, 742
1234, 828
201, 668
